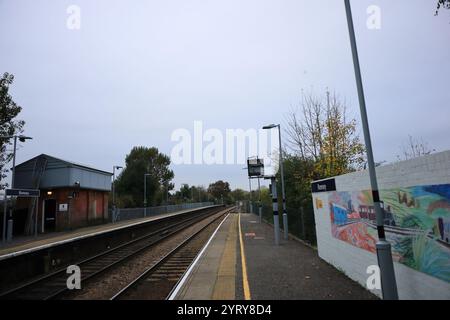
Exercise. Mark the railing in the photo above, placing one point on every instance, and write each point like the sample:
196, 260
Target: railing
135, 213
300, 220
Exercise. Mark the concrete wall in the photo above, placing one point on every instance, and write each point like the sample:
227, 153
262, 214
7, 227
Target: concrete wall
353, 259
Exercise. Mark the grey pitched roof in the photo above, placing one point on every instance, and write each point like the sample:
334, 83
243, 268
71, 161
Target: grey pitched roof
54, 162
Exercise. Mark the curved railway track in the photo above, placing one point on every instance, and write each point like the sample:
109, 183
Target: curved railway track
158, 281
53, 285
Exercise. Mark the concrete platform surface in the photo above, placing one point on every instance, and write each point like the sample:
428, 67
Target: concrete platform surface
213, 277
25, 244
256, 269
292, 270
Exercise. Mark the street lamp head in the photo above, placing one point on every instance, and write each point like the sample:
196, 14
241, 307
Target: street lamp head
118, 167
23, 138
270, 126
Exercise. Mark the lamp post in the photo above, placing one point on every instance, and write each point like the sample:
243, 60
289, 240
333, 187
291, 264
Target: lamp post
145, 192
21, 138
114, 190
283, 193
384, 255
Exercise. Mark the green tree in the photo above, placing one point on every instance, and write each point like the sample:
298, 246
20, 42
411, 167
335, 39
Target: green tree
238, 195
9, 126
130, 183
219, 189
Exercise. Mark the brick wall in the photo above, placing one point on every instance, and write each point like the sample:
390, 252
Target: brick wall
352, 260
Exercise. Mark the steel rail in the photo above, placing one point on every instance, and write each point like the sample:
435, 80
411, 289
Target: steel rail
152, 269
59, 277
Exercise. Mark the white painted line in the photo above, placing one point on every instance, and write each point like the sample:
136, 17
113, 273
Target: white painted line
188, 272
88, 235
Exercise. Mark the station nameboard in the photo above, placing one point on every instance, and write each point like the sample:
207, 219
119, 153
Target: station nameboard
323, 186
23, 192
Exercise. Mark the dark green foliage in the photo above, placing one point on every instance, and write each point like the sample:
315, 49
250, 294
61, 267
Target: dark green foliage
190, 194
442, 4
9, 126
219, 189
130, 183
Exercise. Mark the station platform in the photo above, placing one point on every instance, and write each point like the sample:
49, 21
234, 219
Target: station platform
242, 261
26, 244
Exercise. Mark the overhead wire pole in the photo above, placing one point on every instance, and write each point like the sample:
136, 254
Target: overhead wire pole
384, 255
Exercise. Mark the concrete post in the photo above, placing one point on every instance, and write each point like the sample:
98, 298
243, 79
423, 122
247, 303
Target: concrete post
251, 198
276, 221
10, 230
4, 219
259, 201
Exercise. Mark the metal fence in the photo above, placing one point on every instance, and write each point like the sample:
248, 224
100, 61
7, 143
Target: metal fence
135, 213
301, 220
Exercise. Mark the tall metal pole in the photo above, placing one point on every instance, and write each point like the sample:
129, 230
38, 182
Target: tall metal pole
283, 194
276, 221
4, 219
251, 198
113, 190
14, 163
384, 255
145, 195
259, 201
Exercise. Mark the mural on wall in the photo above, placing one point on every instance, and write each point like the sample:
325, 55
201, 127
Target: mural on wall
417, 224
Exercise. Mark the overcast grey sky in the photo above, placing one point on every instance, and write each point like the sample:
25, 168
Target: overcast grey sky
138, 70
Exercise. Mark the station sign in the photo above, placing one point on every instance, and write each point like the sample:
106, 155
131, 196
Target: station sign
23, 192
255, 167
323, 186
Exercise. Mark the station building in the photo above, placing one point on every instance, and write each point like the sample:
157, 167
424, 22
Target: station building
72, 195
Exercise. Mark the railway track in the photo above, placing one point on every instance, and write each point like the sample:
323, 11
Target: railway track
159, 280
53, 285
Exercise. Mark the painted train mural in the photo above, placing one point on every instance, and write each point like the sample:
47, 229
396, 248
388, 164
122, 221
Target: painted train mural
417, 224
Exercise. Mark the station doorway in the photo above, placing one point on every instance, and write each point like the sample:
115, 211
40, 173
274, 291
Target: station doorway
49, 215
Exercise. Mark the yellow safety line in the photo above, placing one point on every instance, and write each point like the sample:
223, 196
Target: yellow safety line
247, 295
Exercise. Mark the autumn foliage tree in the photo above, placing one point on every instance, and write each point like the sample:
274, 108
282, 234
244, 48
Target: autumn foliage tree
321, 133
323, 142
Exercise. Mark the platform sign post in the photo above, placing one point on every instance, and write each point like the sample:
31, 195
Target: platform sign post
276, 219
4, 219
255, 168
27, 193
259, 202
